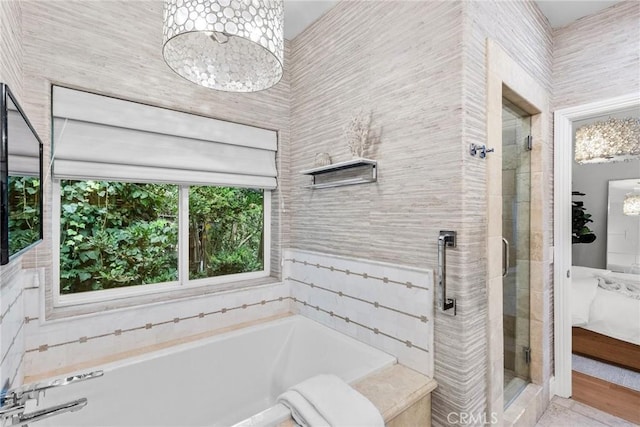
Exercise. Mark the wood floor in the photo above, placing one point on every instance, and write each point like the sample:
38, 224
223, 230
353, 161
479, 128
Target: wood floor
612, 398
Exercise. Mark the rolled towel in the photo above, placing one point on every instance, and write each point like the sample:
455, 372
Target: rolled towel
326, 400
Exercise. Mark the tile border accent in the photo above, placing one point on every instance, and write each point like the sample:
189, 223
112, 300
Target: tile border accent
119, 332
409, 285
13, 341
10, 306
15, 374
348, 320
376, 304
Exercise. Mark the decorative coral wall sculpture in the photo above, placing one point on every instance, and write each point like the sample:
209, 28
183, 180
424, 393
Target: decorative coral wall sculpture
356, 133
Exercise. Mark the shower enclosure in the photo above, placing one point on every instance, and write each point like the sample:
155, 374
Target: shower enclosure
516, 190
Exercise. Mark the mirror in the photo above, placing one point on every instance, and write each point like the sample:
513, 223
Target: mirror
20, 179
623, 228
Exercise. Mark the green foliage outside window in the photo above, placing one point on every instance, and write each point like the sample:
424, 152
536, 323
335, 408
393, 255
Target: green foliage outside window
115, 234
24, 219
225, 231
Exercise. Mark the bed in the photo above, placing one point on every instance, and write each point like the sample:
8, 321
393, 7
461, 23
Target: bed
606, 316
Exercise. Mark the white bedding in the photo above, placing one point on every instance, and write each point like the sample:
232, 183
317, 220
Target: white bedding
583, 292
606, 303
615, 315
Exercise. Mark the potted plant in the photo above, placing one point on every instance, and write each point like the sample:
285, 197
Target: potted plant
580, 218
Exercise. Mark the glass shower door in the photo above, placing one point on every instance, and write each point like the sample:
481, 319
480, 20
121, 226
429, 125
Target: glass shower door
516, 190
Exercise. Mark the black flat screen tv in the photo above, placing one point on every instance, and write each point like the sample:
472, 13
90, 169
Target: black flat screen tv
20, 179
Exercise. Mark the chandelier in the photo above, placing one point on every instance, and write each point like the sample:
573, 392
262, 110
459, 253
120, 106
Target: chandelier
608, 141
631, 204
228, 45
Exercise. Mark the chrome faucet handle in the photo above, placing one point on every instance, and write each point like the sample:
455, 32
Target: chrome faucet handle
10, 415
20, 395
72, 379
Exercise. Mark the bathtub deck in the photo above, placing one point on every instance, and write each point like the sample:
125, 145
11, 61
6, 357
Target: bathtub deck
393, 391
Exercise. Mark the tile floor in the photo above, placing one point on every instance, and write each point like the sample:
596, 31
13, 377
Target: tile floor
569, 413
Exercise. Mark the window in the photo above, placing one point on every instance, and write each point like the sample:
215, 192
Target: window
117, 236
148, 199
225, 231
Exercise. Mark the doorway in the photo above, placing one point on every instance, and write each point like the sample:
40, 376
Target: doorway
586, 265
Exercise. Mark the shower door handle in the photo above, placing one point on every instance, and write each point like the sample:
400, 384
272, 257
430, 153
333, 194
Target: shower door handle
446, 239
505, 257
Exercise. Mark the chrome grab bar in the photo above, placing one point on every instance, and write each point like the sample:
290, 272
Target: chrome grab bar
505, 257
446, 239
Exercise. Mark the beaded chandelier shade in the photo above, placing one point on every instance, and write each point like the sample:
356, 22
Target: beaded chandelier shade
228, 45
609, 141
631, 204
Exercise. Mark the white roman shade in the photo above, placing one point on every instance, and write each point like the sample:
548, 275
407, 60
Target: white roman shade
99, 137
24, 149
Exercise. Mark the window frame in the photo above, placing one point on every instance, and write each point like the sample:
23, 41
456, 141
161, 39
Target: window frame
183, 282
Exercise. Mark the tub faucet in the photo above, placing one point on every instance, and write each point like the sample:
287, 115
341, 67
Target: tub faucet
14, 415
13, 401
20, 395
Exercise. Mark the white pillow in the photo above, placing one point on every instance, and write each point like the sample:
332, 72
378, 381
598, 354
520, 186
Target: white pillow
583, 291
578, 272
625, 284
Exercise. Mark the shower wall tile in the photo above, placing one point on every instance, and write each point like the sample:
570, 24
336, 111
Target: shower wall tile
387, 306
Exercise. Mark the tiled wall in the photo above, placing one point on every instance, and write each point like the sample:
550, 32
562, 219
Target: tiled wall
11, 275
114, 48
387, 306
89, 45
523, 33
588, 67
12, 289
402, 60
428, 104
53, 345
11, 55
420, 67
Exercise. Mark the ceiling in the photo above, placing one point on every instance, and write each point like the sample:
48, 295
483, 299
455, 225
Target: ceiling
299, 14
563, 12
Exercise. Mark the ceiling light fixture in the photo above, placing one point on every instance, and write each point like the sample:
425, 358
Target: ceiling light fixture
228, 45
613, 140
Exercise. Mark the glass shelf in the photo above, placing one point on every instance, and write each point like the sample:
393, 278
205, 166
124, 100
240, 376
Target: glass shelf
335, 167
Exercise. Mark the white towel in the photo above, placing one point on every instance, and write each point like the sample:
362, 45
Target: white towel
327, 401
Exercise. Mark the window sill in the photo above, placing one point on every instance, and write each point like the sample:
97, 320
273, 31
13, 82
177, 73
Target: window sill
89, 308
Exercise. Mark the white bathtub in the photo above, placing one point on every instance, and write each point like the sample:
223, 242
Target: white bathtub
218, 381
